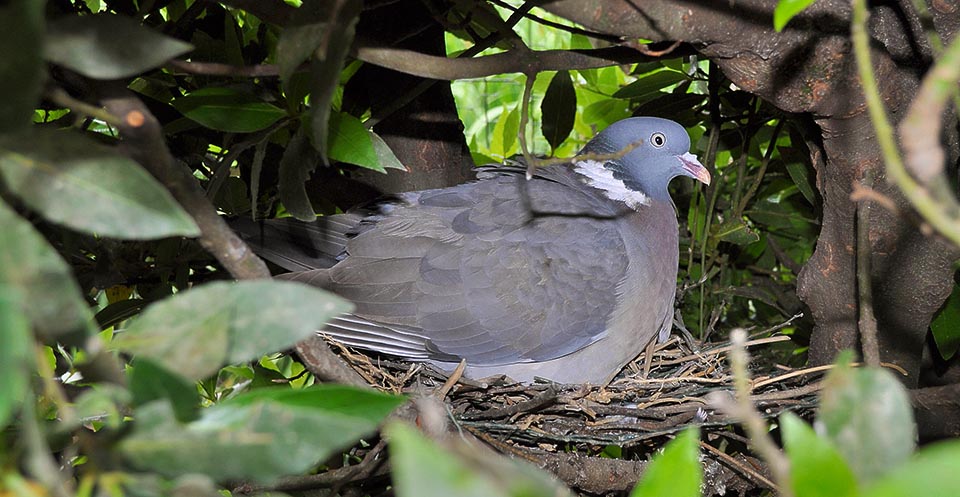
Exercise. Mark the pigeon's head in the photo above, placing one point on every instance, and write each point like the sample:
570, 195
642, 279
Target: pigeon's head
634, 159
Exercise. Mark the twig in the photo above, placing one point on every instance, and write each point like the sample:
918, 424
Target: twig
63, 99
867, 322
863, 193
453, 379
545, 399
753, 423
743, 468
220, 69
324, 364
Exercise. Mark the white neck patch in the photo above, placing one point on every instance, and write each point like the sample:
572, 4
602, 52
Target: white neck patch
601, 178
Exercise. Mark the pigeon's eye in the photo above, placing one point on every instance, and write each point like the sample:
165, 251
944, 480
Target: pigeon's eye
658, 140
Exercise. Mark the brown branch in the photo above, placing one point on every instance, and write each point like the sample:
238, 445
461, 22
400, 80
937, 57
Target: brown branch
143, 138
867, 324
325, 365
219, 69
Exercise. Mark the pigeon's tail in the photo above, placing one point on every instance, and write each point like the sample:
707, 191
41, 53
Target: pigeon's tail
295, 245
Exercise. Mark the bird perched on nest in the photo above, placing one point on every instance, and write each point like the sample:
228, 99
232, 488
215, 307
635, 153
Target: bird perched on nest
566, 276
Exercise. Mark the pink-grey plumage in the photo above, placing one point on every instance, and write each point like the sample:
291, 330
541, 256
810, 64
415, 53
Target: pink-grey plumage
566, 276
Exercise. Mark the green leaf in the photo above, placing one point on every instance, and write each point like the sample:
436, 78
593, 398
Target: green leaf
351, 142
558, 109
149, 381
107, 404
676, 472
786, 10
48, 294
735, 231
107, 46
261, 435
340, 21
226, 109
799, 172
16, 351
195, 332
74, 181
816, 467
932, 472
866, 413
298, 161
421, 468
385, 156
946, 326
22, 68
505, 133
650, 85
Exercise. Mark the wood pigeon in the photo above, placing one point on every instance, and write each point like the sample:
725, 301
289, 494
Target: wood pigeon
566, 276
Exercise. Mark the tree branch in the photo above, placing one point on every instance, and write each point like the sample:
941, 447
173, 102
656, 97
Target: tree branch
143, 137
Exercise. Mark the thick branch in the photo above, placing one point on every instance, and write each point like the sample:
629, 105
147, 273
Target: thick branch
143, 138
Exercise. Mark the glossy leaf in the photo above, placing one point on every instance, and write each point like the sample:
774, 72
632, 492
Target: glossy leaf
385, 157
676, 472
351, 142
558, 109
45, 288
75, 181
195, 332
946, 326
786, 10
261, 435
817, 469
932, 472
22, 68
866, 413
108, 47
424, 469
651, 84
16, 351
298, 161
225, 109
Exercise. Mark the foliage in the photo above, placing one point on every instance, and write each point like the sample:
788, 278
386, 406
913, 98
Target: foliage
129, 369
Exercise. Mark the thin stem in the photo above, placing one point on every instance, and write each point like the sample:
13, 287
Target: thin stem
63, 99
868, 322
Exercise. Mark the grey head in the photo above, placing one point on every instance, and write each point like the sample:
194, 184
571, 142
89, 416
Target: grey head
662, 153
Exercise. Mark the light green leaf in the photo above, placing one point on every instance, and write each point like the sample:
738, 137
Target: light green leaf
48, 294
260, 436
106, 46
676, 472
735, 231
931, 473
75, 181
22, 68
816, 467
946, 326
786, 10
866, 413
424, 469
351, 142
16, 351
558, 109
195, 332
385, 156
225, 109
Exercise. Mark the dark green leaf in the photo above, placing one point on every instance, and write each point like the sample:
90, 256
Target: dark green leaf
816, 467
796, 164
225, 109
946, 326
75, 181
933, 472
107, 404
48, 294
681, 108
735, 231
21, 68
117, 312
328, 61
106, 46
423, 469
298, 161
676, 472
786, 10
351, 142
866, 413
258, 436
558, 109
650, 84
195, 332
16, 351
148, 381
